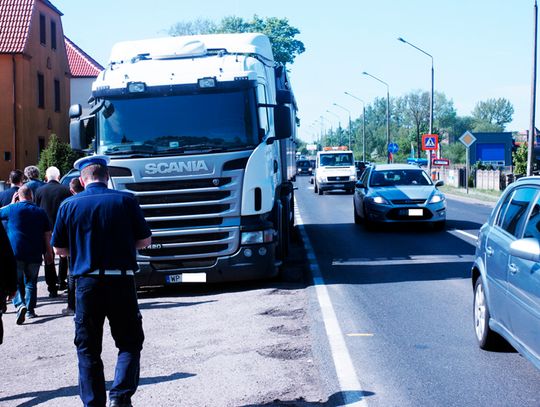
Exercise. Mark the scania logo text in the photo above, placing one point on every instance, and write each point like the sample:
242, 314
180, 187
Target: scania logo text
175, 167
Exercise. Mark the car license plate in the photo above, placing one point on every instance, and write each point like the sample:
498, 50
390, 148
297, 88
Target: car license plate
338, 185
186, 278
416, 212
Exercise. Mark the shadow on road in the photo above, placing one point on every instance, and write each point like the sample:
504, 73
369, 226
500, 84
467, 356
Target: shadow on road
169, 304
42, 396
335, 400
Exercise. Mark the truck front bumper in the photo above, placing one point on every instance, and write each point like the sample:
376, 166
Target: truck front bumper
250, 262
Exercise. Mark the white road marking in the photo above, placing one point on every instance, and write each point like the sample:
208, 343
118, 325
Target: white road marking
431, 259
461, 232
346, 374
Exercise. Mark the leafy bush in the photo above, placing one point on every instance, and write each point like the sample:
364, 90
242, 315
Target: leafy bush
57, 154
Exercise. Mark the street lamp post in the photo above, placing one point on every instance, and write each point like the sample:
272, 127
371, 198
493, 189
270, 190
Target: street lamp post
387, 114
339, 123
432, 91
350, 126
363, 125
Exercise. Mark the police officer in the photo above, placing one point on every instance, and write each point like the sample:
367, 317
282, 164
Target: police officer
100, 229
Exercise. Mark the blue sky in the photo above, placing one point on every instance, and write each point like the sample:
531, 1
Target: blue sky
482, 48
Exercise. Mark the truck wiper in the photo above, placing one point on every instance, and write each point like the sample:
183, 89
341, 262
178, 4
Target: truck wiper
129, 151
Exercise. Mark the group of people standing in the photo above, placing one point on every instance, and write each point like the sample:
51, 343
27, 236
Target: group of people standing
99, 230
28, 210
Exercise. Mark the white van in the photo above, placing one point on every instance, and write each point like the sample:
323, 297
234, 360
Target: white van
334, 169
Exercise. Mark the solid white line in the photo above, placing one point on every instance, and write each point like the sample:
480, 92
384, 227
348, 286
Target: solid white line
405, 261
461, 232
346, 374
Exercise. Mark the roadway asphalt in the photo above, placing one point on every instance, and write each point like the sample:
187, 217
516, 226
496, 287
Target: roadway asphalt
403, 300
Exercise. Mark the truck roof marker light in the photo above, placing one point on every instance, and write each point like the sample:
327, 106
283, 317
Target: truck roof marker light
136, 87
206, 83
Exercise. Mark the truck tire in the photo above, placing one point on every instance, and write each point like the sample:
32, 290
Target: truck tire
315, 188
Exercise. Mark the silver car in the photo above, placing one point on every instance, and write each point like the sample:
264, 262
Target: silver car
398, 193
506, 272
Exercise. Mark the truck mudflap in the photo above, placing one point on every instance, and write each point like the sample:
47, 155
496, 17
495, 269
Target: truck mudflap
253, 262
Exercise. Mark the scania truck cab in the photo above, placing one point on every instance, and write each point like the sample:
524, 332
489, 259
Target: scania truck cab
201, 130
334, 170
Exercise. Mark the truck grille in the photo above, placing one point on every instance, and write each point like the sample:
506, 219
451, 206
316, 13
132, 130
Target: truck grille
193, 221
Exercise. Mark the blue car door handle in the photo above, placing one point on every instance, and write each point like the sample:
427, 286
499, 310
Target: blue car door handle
513, 268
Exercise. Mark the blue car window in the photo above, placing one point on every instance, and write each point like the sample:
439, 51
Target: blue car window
532, 227
517, 209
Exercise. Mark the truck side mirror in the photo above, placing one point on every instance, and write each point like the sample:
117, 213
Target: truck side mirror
77, 135
284, 97
75, 111
282, 122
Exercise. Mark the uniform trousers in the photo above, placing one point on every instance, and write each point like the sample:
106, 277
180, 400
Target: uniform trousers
115, 298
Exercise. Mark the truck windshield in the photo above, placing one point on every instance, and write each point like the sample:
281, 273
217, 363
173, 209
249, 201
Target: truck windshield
178, 124
337, 160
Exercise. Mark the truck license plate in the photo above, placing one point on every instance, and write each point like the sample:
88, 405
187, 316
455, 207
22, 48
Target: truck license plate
416, 212
186, 278
339, 185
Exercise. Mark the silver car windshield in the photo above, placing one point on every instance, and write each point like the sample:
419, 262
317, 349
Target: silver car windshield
399, 178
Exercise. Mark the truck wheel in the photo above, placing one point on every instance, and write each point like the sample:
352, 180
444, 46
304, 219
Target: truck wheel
315, 189
320, 192
282, 224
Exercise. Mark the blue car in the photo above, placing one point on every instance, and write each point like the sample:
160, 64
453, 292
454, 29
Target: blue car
506, 272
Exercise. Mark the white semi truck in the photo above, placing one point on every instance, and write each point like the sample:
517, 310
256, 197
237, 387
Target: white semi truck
201, 130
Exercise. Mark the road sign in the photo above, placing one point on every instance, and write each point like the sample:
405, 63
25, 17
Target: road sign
441, 161
430, 142
467, 139
393, 148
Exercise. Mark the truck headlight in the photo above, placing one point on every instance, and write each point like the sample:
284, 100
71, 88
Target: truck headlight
257, 237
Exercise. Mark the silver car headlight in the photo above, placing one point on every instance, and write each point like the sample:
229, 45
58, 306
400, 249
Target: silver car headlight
436, 198
379, 200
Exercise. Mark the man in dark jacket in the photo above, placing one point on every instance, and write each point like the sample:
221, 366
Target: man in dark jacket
16, 178
32, 176
8, 275
49, 197
29, 233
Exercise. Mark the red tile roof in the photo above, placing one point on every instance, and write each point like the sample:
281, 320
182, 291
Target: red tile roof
15, 18
80, 63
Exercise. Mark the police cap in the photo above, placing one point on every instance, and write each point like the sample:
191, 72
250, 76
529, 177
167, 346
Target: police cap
91, 160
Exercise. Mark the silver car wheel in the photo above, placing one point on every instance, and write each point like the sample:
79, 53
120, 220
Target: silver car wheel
480, 312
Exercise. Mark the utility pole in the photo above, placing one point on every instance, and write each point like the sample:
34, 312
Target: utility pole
532, 127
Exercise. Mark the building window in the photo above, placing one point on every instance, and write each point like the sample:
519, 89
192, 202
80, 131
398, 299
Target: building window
53, 35
41, 90
42, 33
41, 146
56, 95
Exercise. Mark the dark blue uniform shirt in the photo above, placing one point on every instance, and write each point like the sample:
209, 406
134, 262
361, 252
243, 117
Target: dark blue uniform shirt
96, 244
27, 224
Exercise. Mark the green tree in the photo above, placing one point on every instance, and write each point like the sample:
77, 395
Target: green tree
456, 153
57, 154
282, 35
195, 27
520, 160
492, 114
